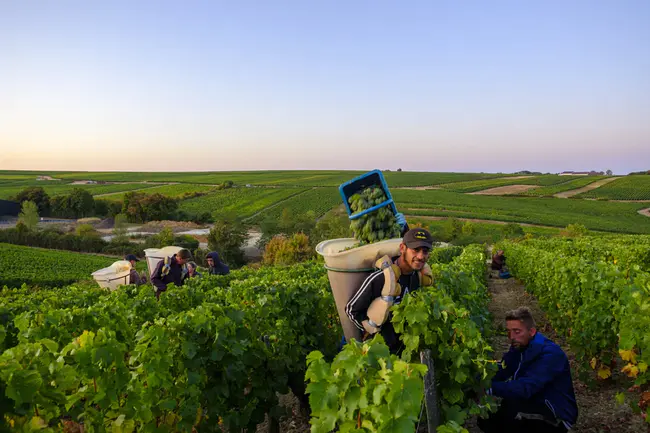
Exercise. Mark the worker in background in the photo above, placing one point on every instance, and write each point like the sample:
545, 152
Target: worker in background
134, 276
215, 265
170, 270
192, 271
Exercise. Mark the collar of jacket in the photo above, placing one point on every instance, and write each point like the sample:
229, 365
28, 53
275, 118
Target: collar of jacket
535, 346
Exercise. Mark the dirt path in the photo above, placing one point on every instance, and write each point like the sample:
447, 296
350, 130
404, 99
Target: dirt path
594, 185
645, 212
475, 220
515, 177
419, 188
598, 411
504, 190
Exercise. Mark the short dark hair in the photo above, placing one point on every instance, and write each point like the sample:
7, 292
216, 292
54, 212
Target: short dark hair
522, 314
184, 253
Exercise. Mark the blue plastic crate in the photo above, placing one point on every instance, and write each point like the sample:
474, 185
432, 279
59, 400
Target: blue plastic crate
372, 178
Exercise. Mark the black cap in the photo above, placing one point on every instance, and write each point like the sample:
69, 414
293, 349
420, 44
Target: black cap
130, 257
416, 238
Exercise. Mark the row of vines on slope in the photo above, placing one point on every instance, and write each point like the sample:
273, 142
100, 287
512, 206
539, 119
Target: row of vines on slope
602, 307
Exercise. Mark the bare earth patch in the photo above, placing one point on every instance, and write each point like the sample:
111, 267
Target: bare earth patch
505, 190
598, 411
475, 220
597, 184
645, 212
516, 177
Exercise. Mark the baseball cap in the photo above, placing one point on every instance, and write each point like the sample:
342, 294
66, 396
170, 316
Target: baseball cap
130, 257
418, 237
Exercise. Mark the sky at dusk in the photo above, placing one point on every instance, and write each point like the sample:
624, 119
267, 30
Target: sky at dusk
240, 85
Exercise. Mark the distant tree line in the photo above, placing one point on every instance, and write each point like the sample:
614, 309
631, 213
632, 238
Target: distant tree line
137, 206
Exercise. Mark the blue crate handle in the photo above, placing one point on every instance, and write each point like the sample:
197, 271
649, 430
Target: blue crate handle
359, 179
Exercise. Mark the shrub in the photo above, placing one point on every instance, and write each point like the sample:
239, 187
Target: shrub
86, 230
575, 231
228, 236
512, 230
468, 228
282, 250
29, 215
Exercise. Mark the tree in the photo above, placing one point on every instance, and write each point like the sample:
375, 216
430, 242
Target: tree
609, 172
78, 204
81, 203
29, 215
38, 196
140, 207
227, 237
119, 228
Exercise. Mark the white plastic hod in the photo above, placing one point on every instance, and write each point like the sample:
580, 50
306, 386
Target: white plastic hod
114, 275
156, 255
346, 270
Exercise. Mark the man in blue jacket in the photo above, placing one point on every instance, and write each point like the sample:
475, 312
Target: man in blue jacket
534, 381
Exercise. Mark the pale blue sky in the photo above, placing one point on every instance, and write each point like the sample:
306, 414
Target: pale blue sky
236, 85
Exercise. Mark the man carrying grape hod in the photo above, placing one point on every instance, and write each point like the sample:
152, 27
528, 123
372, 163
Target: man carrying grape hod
534, 381
170, 270
369, 308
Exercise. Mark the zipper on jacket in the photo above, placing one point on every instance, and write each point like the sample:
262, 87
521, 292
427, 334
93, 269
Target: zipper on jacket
520, 361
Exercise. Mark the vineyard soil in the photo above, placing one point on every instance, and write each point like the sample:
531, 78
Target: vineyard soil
598, 411
505, 190
597, 184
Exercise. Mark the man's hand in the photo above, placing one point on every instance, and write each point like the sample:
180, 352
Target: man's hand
370, 328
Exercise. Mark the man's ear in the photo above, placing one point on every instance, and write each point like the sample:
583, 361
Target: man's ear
532, 331
402, 248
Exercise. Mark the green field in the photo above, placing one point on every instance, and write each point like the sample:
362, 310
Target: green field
317, 200
175, 191
46, 268
243, 202
451, 200
52, 188
305, 178
596, 215
548, 191
479, 185
624, 188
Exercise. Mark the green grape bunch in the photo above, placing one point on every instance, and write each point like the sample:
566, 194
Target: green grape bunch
375, 226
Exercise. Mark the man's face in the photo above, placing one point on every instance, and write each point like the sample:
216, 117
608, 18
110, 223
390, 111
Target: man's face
518, 334
210, 262
414, 258
180, 260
